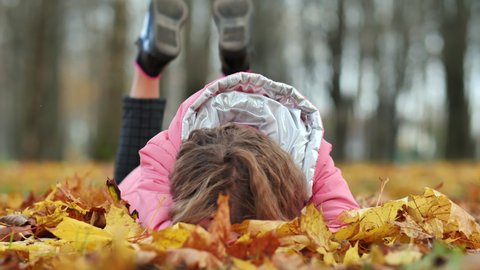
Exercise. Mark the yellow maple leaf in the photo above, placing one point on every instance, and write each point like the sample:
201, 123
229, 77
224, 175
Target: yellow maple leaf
371, 224
439, 216
352, 256
83, 236
402, 257
172, 237
412, 229
291, 228
49, 213
36, 249
293, 242
255, 227
313, 225
431, 209
121, 224
462, 221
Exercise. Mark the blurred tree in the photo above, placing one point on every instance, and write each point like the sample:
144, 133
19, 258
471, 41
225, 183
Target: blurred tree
36, 45
390, 45
343, 104
269, 40
454, 20
112, 84
6, 89
197, 45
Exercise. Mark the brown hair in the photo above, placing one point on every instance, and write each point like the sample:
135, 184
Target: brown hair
261, 178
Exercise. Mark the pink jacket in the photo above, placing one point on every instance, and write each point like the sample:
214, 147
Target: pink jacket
147, 188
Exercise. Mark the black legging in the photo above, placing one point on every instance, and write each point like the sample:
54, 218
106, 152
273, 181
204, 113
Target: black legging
141, 120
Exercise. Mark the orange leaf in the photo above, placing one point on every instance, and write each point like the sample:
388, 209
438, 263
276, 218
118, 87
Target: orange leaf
221, 227
202, 240
255, 249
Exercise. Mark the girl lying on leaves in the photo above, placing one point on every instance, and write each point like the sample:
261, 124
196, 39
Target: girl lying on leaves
257, 140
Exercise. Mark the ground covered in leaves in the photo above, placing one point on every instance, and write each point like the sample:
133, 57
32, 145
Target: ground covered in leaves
79, 225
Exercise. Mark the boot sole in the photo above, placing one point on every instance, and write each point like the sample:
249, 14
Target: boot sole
169, 17
232, 18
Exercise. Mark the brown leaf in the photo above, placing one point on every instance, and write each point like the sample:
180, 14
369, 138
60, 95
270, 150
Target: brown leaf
113, 190
200, 239
14, 233
12, 259
254, 248
220, 227
15, 220
411, 229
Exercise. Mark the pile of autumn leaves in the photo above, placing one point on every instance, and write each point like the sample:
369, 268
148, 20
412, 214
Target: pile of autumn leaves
78, 227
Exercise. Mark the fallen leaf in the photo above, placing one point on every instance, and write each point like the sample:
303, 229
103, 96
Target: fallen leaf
255, 227
121, 224
82, 235
412, 229
256, 248
171, 237
14, 233
192, 259
200, 239
113, 190
402, 257
220, 227
371, 224
351, 256
312, 225
15, 220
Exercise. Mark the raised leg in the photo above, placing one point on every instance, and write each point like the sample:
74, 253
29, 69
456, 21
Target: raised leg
233, 20
143, 108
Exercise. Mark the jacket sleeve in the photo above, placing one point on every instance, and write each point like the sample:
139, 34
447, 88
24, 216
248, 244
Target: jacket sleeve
330, 191
150, 193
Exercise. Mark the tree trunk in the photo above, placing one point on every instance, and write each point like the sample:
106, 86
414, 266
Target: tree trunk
391, 69
197, 46
268, 40
454, 30
37, 131
343, 105
112, 86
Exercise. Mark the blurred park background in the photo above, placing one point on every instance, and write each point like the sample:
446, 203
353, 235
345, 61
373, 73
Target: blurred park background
394, 80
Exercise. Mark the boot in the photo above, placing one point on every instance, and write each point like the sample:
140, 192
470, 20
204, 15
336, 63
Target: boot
159, 41
233, 21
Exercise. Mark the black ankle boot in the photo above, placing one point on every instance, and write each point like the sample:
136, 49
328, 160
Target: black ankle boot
159, 41
233, 21
234, 61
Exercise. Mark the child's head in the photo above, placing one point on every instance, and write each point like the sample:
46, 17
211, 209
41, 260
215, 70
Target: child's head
261, 178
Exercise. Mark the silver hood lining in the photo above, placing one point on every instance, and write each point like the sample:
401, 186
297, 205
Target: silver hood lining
276, 109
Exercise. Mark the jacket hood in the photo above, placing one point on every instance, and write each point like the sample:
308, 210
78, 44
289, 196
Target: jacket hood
276, 109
